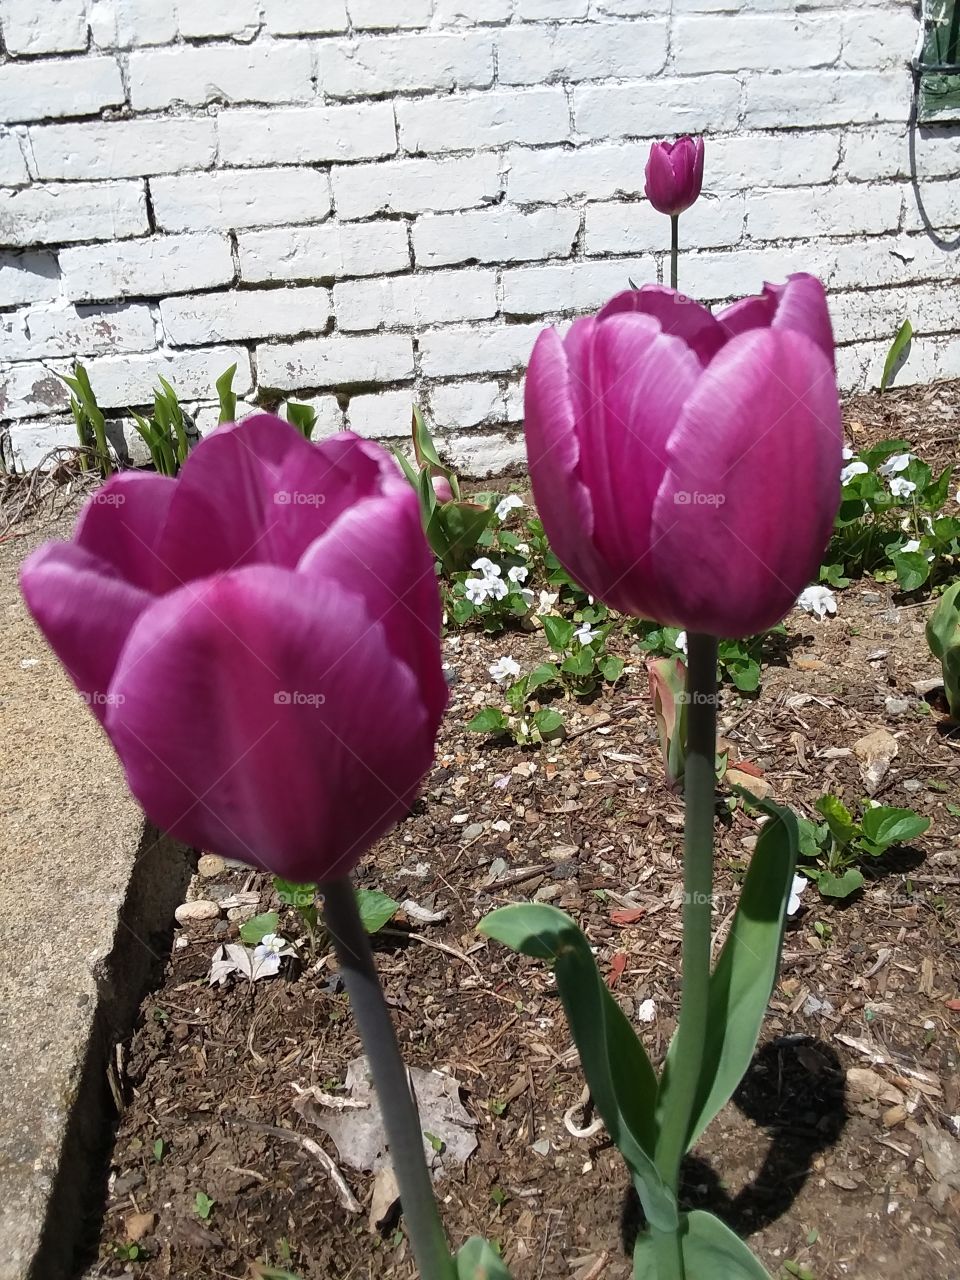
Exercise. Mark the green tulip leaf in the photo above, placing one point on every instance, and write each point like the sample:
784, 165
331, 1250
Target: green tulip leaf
709, 1247
618, 1071
477, 1259
899, 350
375, 909
743, 979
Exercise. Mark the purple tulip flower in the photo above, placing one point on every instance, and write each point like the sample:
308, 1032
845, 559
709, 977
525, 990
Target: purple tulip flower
684, 464
260, 640
674, 174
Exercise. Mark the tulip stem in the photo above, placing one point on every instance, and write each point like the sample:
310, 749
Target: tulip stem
686, 1056
674, 247
397, 1104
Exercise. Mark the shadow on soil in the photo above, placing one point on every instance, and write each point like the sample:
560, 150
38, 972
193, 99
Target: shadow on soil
795, 1090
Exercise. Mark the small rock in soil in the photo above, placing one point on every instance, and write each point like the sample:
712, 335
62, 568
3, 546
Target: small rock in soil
192, 912
210, 865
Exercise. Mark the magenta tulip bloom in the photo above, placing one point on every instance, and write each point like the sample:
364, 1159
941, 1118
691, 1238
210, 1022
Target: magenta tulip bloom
260, 639
674, 174
684, 464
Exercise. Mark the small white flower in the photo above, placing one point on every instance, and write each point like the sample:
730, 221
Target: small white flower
817, 600
547, 600
681, 642
526, 595
523, 548
505, 668
847, 453
476, 590
584, 633
851, 470
956, 496
518, 573
276, 943
899, 462
796, 893
497, 588
510, 503
912, 545
901, 488
486, 567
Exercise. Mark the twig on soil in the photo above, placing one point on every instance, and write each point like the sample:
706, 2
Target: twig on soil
574, 1130
440, 946
330, 1167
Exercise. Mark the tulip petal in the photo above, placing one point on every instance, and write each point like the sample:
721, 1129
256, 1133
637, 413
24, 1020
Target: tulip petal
85, 608
677, 315
378, 545
659, 183
122, 523
800, 306
259, 493
276, 729
748, 503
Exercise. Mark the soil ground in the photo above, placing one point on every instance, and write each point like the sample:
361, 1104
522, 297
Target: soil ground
823, 1178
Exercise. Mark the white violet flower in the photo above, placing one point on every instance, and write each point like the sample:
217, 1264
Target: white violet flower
497, 589
526, 595
681, 642
899, 462
584, 633
912, 545
510, 503
901, 488
847, 453
817, 600
505, 668
796, 892
523, 548
487, 567
853, 469
476, 589
517, 574
547, 600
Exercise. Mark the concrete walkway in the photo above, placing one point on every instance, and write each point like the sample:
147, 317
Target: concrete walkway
86, 895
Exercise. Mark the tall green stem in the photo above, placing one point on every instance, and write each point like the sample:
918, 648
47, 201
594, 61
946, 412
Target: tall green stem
674, 247
686, 1058
397, 1104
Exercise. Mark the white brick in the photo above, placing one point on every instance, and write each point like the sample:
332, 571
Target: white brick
468, 13
249, 313
456, 124
888, 42
571, 287
824, 98
384, 15
28, 277
596, 51
13, 168
867, 315
61, 213
497, 348
801, 159
362, 132
334, 362
388, 64
416, 186
229, 199
494, 235
890, 261
656, 108
318, 253
638, 228
219, 18
436, 297
484, 455
749, 42
557, 174
37, 333
43, 26
635, 8
872, 154
740, 272
465, 404
833, 211
198, 74
381, 416
147, 268
31, 391
125, 149
304, 17
124, 24
60, 87
32, 442
119, 381
939, 206
534, 10
930, 360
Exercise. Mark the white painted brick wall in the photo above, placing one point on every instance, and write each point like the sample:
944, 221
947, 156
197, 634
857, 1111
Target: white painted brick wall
368, 202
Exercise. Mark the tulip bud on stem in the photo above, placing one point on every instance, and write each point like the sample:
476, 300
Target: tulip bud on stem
397, 1104
674, 247
700, 781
